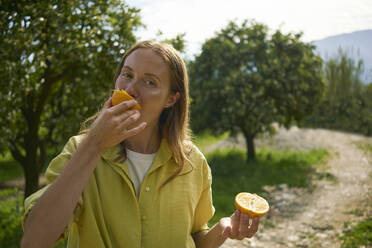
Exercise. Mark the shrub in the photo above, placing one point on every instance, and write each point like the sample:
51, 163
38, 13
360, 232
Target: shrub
11, 211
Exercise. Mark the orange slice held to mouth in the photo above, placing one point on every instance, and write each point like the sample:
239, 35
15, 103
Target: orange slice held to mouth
120, 96
251, 204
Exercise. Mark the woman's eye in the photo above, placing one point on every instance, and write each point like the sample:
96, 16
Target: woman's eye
150, 82
126, 75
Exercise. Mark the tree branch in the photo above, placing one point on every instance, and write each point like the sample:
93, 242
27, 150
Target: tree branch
42, 156
50, 80
55, 114
16, 153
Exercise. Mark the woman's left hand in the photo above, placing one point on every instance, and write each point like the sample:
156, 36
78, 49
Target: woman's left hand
239, 226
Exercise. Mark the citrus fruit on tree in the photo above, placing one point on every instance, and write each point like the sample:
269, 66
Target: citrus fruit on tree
251, 204
120, 96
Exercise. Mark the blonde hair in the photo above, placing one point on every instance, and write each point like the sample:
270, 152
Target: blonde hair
174, 121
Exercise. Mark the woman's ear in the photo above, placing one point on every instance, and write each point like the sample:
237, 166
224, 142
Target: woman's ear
172, 99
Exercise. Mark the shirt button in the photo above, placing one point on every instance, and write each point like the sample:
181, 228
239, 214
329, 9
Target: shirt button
147, 189
144, 217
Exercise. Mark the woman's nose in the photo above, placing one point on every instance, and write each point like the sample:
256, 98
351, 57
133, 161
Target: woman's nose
131, 88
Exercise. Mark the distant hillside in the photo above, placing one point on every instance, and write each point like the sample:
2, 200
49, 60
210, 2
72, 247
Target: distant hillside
358, 45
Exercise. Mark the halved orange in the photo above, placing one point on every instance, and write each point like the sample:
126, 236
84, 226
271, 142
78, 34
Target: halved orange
251, 204
120, 96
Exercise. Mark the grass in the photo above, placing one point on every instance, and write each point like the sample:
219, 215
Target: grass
5, 193
11, 213
356, 212
321, 175
268, 224
359, 235
203, 140
11, 204
9, 168
232, 175
366, 147
11, 209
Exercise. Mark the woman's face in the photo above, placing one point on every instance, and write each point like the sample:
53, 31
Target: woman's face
146, 77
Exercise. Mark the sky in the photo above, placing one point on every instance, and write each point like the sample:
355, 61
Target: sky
200, 19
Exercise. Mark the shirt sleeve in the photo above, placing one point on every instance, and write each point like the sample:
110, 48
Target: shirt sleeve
204, 210
54, 169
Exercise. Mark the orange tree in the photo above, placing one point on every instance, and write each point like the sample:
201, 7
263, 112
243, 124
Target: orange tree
57, 60
244, 80
347, 102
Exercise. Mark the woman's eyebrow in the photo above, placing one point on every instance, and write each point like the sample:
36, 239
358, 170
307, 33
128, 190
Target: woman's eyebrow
153, 75
126, 67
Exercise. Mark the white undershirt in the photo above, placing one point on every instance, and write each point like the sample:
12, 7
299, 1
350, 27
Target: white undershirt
138, 165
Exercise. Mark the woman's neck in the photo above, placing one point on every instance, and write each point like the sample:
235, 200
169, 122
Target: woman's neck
147, 141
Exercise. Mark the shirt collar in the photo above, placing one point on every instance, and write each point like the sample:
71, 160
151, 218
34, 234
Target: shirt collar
163, 155
111, 153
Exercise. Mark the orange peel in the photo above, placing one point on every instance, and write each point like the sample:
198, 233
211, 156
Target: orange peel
120, 96
251, 204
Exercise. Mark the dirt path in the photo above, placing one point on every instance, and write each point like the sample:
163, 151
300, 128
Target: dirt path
304, 218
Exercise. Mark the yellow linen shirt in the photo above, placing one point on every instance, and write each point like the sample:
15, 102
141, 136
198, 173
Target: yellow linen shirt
109, 214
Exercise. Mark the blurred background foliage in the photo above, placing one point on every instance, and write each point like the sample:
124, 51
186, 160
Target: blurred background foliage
57, 60
346, 103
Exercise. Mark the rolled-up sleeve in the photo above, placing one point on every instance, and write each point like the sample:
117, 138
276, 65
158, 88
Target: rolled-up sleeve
204, 210
53, 171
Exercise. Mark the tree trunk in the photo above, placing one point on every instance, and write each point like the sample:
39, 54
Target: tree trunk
249, 141
32, 166
31, 178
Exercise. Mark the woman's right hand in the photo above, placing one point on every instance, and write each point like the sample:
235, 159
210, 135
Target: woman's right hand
112, 124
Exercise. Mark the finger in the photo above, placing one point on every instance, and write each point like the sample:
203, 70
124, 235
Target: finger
135, 130
122, 117
123, 106
108, 103
235, 219
253, 227
128, 121
226, 232
244, 226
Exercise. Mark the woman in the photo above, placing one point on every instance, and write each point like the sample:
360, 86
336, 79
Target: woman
133, 179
